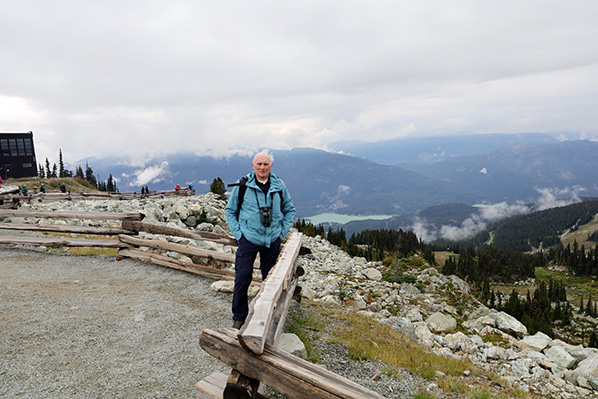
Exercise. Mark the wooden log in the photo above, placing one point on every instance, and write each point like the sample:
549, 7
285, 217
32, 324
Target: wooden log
282, 371
180, 265
178, 232
72, 215
183, 249
239, 386
60, 228
61, 242
214, 385
257, 327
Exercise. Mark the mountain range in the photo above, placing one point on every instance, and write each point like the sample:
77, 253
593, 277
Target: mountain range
515, 169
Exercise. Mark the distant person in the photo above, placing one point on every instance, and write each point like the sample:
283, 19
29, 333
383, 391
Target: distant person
42, 188
259, 213
177, 187
24, 191
190, 186
142, 192
63, 188
147, 190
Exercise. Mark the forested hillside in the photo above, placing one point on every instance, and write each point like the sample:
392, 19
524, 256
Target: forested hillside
539, 229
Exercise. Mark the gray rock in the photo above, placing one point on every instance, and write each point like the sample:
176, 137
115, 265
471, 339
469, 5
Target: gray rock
507, 323
291, 343
402, 325
537, 342
410, 290
560, 356
439, 323
414, 315
222, 286
372, 274
588, 367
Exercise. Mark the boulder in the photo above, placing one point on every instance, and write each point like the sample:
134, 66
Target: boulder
495, 353
414, 315
537, 342
507, 323
223, 286
441, 323
372, 274
291, 343
402, 325
560, 356
588, 368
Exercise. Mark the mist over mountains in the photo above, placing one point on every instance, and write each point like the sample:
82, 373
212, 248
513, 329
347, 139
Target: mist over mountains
434, 197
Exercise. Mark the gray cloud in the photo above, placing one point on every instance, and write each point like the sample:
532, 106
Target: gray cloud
550, 197
149, 77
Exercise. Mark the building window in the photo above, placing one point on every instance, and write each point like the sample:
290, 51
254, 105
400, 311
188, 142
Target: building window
12, 145
27, 165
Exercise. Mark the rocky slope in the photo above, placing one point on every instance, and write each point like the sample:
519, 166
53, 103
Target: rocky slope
434, 310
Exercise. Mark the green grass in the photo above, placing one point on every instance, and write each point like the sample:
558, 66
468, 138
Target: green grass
368, 339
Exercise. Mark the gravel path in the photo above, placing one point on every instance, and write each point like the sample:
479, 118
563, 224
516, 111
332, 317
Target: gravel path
92, 327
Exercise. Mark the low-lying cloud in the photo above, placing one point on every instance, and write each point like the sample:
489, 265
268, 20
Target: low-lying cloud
477, 222
141, 177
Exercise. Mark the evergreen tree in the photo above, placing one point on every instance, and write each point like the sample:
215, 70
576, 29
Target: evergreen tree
593, 342
89, 175
61, 171
54, 170
217, 187
41, 172
110, 186
590, 306
48, 171
79, 173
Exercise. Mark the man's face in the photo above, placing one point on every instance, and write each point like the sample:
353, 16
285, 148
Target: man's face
262, 165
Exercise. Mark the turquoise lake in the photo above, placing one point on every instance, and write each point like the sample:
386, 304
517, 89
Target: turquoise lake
339, 218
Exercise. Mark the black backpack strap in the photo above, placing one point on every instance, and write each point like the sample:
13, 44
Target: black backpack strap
242, 188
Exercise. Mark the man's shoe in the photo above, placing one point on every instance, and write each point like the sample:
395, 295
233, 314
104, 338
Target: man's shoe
237, 324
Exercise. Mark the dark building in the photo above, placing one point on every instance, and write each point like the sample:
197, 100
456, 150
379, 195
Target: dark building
17, 155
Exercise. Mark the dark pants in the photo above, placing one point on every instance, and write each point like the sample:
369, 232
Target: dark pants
244, 259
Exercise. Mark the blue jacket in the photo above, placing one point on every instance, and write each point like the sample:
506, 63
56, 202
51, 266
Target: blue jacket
248, 223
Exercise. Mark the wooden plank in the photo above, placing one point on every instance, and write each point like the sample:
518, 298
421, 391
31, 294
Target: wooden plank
61, 242
60, 228
178, 232
180, 265
183, 249
282, 371
212, 386
257, 327
72, 215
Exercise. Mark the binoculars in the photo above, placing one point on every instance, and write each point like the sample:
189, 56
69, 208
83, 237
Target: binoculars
266, 215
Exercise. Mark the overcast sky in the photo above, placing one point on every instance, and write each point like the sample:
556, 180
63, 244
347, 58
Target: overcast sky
149, 77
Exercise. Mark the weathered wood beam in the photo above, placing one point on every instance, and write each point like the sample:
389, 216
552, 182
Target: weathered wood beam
179, 265
214, 385
60, 228
61, 242
183, 249
178, 232
259, 322
282, 371
72, 215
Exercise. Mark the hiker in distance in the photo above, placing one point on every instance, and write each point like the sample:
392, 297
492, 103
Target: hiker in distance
259, 214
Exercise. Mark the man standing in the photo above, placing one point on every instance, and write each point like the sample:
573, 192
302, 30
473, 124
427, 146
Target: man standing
259, 216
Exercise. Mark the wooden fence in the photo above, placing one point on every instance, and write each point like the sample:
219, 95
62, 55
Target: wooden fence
124, 238
11, 196
250, 351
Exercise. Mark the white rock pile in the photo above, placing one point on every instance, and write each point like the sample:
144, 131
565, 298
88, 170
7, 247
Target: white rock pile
435, 310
